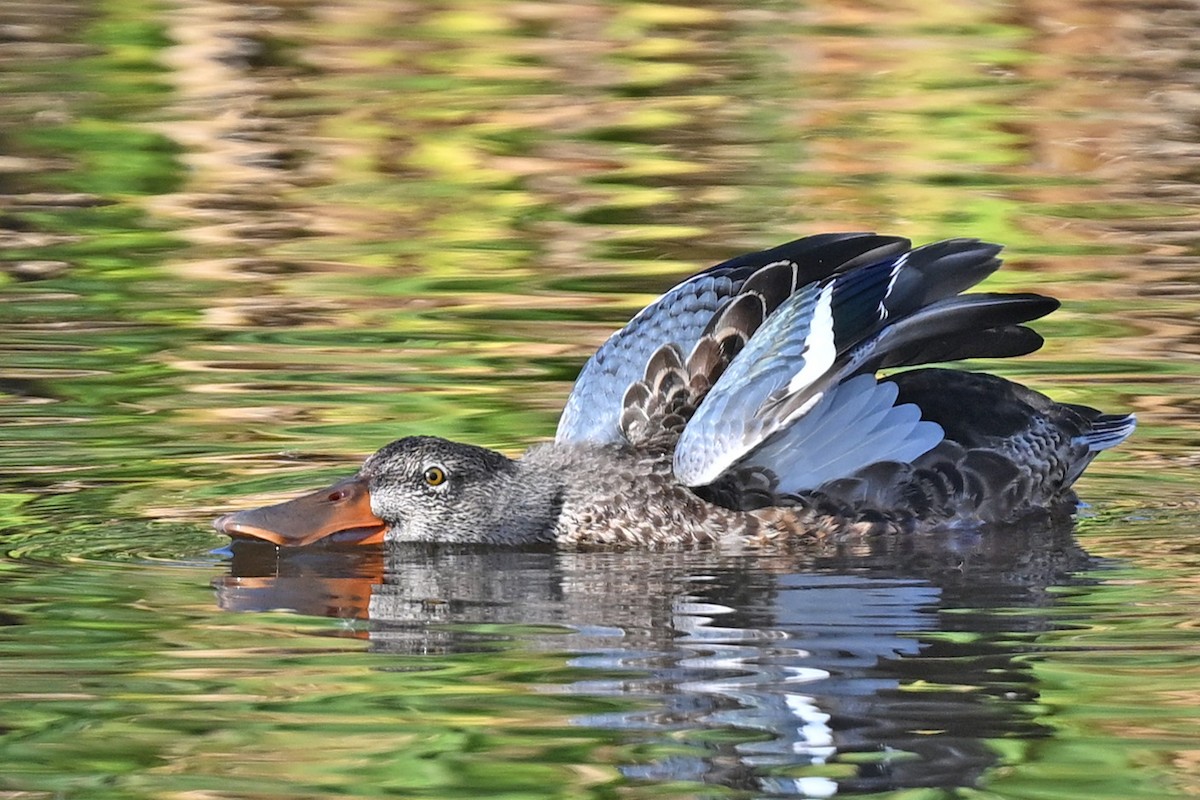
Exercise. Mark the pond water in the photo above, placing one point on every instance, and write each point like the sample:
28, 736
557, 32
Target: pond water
243, 245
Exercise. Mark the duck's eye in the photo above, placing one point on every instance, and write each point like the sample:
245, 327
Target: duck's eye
435, 476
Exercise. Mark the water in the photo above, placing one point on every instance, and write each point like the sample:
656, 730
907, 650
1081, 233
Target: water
241, 246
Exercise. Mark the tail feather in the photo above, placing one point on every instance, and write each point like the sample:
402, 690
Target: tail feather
1109, 430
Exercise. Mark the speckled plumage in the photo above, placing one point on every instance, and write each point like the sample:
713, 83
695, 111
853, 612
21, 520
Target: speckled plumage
741, 409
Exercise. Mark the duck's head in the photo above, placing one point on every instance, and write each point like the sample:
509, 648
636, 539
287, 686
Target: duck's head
420, 488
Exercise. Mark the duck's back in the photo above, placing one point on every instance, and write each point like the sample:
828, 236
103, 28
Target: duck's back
1007, 452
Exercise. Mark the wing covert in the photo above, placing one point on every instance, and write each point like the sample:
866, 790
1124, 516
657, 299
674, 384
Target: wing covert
680, 317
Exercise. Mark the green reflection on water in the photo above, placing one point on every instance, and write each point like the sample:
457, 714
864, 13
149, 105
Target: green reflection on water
143, 689
343, 223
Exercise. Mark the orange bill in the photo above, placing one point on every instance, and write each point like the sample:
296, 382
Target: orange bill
340, 513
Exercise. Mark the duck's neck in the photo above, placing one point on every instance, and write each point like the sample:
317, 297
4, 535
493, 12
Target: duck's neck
529, 502
603, 493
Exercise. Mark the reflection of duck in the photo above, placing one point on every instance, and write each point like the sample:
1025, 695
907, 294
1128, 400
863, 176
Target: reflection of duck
882, 666
742, 407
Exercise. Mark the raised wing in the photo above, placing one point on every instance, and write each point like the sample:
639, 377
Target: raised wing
789, 402
677, 322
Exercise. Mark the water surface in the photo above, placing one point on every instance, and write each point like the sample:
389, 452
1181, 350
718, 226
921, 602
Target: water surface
241, 246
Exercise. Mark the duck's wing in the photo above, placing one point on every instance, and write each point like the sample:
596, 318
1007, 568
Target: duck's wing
668, 331
801, 400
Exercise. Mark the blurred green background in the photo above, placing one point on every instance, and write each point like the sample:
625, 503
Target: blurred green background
243, 245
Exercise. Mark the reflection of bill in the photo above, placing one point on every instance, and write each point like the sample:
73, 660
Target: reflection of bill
823, 674
325, 583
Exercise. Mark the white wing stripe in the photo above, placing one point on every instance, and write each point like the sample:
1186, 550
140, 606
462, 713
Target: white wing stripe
820, 350
901, 260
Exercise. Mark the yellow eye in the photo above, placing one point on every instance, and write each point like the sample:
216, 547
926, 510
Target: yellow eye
435, 476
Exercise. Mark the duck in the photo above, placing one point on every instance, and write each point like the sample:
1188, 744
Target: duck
780, 398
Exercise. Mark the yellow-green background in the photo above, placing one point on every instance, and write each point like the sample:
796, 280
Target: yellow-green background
242, 245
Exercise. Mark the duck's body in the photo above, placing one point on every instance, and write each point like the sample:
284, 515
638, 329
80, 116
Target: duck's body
742, 407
